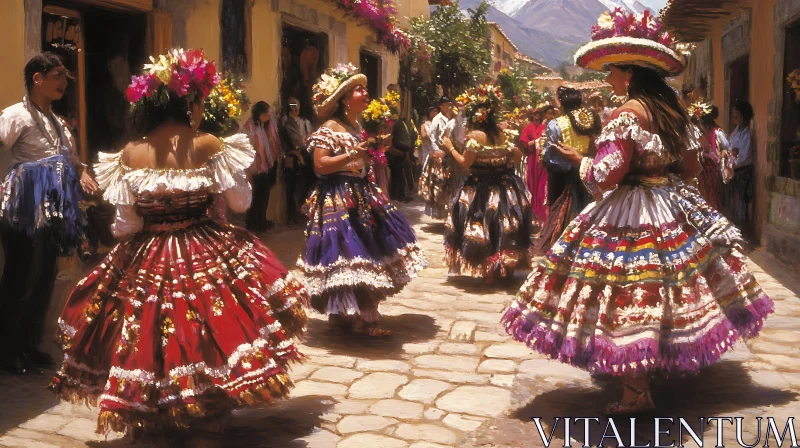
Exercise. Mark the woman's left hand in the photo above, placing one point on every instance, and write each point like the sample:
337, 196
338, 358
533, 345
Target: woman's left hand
88, 184
570, 154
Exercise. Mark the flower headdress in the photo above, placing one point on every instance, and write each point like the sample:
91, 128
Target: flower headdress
480, 102
700, 109
225, 104
182, 73
631, 39
332, 85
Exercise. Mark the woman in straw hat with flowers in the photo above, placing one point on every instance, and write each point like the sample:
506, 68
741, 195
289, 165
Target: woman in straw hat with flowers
189, 317
649, 278
359, 248
488, 230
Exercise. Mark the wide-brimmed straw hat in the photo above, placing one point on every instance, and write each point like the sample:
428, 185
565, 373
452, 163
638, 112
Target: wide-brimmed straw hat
620, 38
333, 85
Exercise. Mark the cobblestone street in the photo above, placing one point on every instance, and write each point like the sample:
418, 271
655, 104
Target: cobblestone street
449, 376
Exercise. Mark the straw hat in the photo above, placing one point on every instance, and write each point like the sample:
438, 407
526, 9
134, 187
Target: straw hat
620, 38
333, 85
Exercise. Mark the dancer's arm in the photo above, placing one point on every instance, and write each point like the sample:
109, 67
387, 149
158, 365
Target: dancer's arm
465, 160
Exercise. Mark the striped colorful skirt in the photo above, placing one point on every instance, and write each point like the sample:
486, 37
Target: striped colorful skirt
649, 278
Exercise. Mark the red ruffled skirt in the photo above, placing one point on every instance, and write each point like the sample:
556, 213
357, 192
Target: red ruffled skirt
180, 324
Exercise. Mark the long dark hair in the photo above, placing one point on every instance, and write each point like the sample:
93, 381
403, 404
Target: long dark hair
572, 102
489, 125
709, 121
147, 115
668, 115
259, 108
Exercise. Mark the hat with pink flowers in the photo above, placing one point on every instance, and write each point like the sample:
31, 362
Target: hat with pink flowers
622, 38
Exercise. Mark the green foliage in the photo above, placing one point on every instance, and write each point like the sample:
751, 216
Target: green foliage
563, 73
517, 88
590, 75
458, 48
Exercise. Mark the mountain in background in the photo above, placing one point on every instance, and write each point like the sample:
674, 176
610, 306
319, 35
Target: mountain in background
529, 41
551, 30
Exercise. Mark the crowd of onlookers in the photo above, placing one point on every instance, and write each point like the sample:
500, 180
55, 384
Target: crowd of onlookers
283, 173
727, 178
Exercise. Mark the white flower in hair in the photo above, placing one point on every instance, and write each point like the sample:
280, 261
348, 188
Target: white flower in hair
605, 21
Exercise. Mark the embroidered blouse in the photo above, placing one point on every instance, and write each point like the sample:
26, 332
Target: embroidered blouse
175, 192
624, 148
338, 143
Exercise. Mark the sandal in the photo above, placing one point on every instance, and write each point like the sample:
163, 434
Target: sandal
643, 402
370, 329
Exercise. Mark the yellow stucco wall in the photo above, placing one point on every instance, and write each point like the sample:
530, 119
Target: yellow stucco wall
506, 46
719, 73
202, 28
266, 46
12, 58
407, 9
762, 92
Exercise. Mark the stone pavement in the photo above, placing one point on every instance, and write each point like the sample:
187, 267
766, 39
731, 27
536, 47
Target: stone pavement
449, 376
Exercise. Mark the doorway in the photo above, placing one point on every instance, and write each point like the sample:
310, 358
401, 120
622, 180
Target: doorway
103, 48
739, 82
371, 67
304, 56
790, 113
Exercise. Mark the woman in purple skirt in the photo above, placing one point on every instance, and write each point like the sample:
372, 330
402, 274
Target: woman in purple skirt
359, 248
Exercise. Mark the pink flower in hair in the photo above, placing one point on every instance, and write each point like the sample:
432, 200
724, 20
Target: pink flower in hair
142, 85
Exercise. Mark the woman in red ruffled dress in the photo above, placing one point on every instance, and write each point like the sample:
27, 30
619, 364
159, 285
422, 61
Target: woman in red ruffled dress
189, 317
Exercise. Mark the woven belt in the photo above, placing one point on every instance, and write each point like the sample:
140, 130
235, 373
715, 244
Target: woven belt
646, 181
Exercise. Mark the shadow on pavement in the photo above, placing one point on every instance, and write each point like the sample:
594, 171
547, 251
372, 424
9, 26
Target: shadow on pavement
24, 397
405, 328
436, 228
477, 286
779, 270
724, 389
278, 426
284, 425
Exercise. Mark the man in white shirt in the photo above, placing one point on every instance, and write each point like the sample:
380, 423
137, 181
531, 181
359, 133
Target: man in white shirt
442, 126
43, 176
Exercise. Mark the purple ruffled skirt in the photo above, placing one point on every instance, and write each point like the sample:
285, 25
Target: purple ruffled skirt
359, 249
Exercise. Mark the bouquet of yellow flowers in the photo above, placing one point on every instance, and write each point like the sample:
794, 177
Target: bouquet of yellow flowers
379, 117
382, 113
794, 83
225, 105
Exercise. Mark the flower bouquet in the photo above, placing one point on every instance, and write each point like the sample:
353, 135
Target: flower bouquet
379, 117
224, 106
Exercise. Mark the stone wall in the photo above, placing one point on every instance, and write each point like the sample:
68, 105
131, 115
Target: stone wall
782, 230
